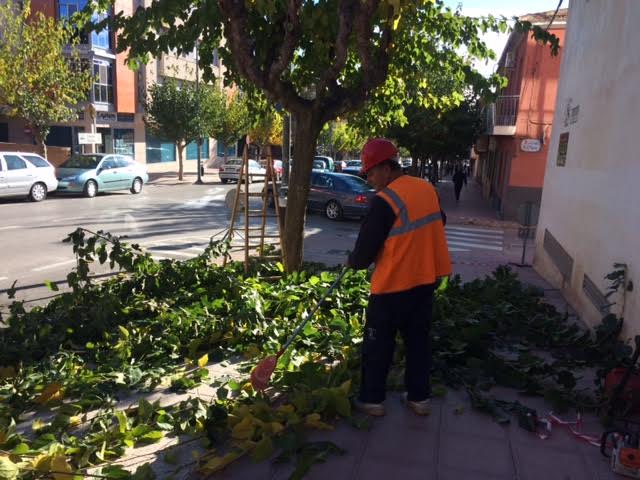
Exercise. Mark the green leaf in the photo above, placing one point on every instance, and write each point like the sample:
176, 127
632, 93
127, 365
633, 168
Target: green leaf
144, 472
51, 285
152, 436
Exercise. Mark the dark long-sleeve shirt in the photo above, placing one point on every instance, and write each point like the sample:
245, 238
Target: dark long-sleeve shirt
373, 233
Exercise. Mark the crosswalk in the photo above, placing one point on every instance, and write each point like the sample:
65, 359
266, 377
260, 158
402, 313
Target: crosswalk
465, 239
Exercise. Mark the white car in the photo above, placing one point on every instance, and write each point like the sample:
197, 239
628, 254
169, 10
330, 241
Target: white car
26, 174
230, 170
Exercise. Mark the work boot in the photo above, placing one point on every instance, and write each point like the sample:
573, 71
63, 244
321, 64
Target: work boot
422, 408
373, 409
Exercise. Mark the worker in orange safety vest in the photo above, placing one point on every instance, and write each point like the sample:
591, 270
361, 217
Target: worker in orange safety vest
403, 234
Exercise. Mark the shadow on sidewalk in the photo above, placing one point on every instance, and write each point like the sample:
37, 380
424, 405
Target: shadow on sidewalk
472, 208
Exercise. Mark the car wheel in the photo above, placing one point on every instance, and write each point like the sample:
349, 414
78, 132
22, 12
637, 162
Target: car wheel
224, 180
90, 189
333, 210
38, 192
136, 186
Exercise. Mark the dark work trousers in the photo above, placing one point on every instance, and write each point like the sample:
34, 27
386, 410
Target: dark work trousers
409, 312
457, 188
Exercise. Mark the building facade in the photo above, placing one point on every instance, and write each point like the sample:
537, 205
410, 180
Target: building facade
513, 151
115, 107
589, 217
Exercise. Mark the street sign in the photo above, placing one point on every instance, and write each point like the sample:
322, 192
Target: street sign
89, 138
530, 145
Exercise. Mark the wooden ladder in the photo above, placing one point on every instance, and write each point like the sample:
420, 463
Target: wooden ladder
255, 237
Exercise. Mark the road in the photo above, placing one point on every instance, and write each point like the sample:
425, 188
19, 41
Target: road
169, 221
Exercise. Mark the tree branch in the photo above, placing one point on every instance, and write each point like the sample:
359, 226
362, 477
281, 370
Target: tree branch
291, 36
347, 11
374, 71
236, 28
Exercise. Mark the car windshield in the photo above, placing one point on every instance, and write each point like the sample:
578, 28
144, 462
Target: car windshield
353, 163
355, 183
318, 165
82, 161
233, 162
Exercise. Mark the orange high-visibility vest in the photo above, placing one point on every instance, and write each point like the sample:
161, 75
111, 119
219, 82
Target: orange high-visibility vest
415, 251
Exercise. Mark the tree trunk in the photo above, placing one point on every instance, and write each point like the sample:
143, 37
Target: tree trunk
39, 138
180, 146
305, 138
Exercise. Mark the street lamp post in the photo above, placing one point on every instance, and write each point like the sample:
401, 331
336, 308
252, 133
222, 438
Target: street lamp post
199, 167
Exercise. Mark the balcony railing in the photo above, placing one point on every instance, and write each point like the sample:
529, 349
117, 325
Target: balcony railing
502, 115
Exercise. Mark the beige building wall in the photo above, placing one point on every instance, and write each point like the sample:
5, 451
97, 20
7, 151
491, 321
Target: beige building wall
590, 212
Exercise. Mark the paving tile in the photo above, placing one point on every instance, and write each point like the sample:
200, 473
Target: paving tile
535, 463
245, 469
398, 444
600, 466
380, 469
473, 453
470, 422
450, 473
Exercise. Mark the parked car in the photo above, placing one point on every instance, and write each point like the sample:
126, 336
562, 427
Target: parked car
277, 167
230, 170
92, 173
337, 195
329, 164
353, 167
319, 166
26, 174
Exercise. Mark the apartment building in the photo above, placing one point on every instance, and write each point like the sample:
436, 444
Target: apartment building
513, 150
115, 107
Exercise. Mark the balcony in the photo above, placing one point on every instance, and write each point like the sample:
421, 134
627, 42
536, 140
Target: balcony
501, 115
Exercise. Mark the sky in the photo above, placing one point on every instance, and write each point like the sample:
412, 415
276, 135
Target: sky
508, 8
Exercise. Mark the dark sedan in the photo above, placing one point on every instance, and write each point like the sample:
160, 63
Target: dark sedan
339, 195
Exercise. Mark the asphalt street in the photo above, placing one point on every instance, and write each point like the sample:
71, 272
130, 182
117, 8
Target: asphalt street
169, 221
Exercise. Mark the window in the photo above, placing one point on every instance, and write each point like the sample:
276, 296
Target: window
103, 83
14, 162
192, 150
158, 150
123, 141
100, 39
66, 8
109, 163
321, 181
37, 161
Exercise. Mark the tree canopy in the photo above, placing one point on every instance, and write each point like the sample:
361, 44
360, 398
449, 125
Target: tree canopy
182, 114
318, 60
38, 81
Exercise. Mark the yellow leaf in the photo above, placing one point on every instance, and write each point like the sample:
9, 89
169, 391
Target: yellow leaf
75, 420
286, 408
60, 466
218, 463
244, 429
276, 427
41, 463
8, 469
203, 360
313, 421
251, 351
51, 393
38, 424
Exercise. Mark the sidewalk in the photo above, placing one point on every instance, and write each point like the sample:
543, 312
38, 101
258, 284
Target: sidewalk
167, 173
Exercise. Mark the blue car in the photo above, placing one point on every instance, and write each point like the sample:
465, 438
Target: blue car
100, 172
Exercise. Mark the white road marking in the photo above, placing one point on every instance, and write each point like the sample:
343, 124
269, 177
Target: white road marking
474, 245
172, 252
4, 278
10, 227
453, 249
52, 265
478, 235
488, 241
477, 230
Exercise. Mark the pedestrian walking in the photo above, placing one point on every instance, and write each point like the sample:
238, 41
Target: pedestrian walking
459, 179
403, 234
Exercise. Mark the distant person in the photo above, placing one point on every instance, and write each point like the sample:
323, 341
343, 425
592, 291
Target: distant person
459, 179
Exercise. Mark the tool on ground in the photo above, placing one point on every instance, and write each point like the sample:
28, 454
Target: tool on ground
268, 194
623, 447
622, 442
262, 372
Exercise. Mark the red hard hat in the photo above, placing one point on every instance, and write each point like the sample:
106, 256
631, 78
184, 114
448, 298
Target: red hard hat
376, 151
